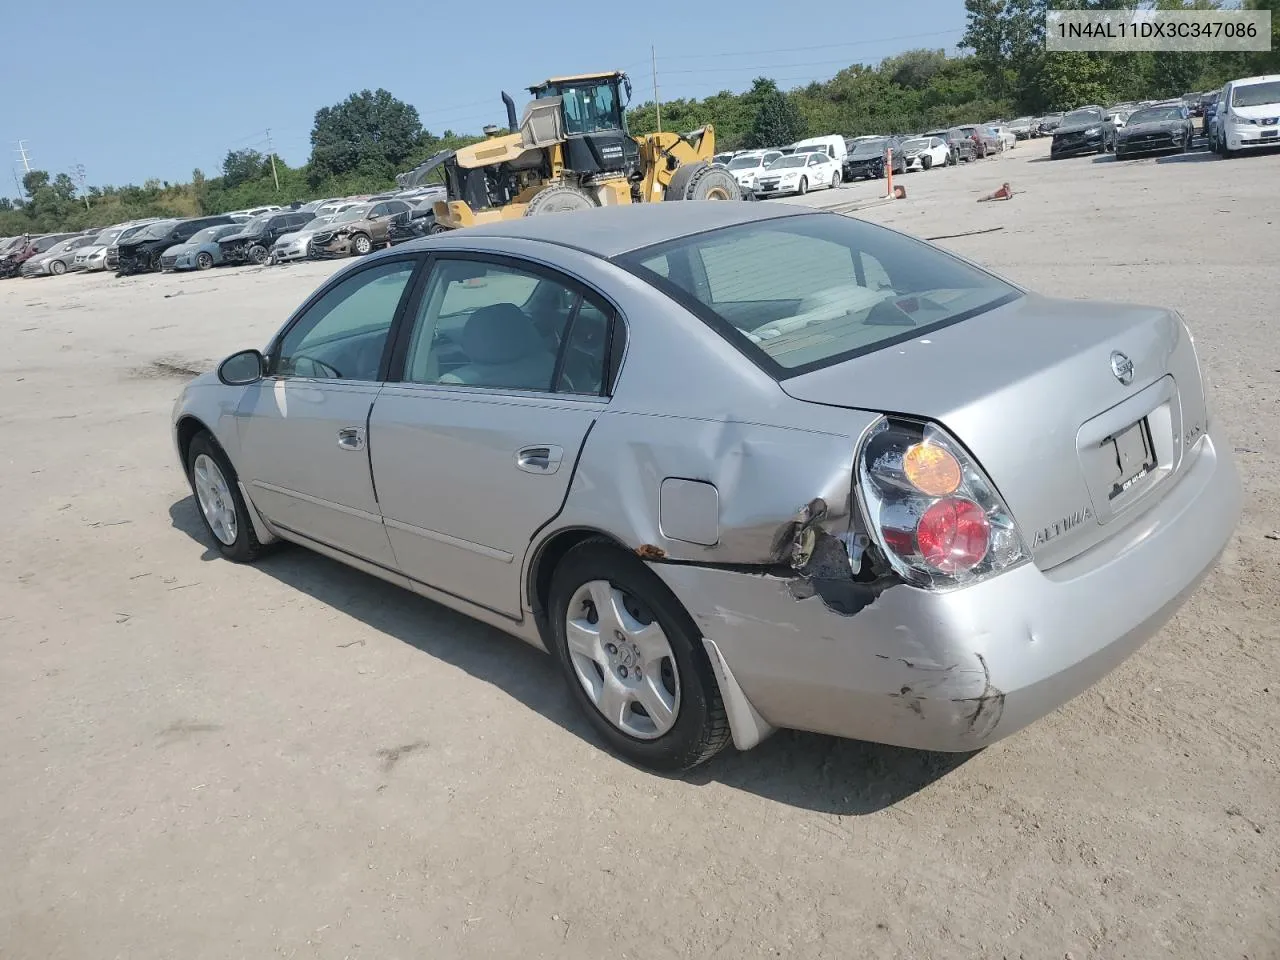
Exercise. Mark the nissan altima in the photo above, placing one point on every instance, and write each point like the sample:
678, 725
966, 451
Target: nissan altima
736, 467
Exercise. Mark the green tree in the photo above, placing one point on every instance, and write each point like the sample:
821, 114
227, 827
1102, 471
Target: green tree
370, 134
241, 166
777, 121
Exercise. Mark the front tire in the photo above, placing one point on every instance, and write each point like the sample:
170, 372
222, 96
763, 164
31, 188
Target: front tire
634, 660
258, 254
926, 162
204, 260
222, 508
361, 245
57, 268
804, 187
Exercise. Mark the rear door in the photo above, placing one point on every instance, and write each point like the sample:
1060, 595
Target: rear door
474, 449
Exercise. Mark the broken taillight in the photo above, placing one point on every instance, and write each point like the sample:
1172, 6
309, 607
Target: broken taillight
930, 507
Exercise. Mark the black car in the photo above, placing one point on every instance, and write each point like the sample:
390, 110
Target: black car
252, 243
1049, 123
142, 252
961, 147
421, 221
866, 158
1081, 131
1165, 126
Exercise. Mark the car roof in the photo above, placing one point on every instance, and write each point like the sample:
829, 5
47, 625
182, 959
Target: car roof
609, 232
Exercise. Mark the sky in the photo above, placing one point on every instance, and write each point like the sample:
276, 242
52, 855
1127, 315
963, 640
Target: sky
139, 88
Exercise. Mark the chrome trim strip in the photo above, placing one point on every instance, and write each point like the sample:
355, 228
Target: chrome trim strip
491, 552
329, 504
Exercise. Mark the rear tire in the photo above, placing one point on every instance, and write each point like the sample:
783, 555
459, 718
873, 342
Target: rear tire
703, 181
680, 671
561, 198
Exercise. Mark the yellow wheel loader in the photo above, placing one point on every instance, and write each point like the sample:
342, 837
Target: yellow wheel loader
572, 151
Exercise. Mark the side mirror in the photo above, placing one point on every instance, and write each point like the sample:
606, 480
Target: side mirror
243, 368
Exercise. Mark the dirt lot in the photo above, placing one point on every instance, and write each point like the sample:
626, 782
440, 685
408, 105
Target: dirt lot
208, 760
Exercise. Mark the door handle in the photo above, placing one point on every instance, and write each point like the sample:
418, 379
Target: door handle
351, 438
545, 458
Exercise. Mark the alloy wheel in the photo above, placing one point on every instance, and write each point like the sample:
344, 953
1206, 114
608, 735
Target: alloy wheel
214, 496
623, 659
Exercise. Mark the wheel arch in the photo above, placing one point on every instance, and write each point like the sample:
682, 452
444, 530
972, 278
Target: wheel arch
546, 556
185, 431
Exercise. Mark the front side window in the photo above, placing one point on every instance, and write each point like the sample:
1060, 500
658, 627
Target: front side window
500, 327
803, 292
342, 335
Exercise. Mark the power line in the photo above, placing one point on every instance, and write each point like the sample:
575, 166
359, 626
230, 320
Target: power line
820, 46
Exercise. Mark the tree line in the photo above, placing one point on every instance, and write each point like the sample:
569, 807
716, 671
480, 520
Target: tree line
1002, 70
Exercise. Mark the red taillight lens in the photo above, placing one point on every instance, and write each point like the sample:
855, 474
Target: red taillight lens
953, 535
931, 508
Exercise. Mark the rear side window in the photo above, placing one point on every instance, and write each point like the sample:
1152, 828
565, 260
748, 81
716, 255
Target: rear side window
803, 292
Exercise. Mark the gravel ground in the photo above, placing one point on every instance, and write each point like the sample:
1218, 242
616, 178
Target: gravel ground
293, 759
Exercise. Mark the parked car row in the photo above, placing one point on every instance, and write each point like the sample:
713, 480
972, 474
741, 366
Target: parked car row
341, 226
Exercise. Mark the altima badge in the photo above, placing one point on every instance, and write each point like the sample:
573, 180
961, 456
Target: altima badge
1122, 367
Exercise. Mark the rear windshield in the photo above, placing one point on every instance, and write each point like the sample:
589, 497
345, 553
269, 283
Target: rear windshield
1256, 94
803, 292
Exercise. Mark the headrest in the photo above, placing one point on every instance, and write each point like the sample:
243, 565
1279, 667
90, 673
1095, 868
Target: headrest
499, 333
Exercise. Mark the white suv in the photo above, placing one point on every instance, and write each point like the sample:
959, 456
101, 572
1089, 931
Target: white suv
745, 167
1248, 114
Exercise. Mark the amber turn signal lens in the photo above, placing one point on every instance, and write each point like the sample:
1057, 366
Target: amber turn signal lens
931, 469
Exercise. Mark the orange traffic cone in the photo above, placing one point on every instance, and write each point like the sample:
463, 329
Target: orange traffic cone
1004, 193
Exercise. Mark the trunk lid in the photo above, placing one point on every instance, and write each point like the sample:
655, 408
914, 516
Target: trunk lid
1036, 390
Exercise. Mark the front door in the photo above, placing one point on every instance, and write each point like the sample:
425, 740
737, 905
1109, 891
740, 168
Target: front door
304, 444
473, 451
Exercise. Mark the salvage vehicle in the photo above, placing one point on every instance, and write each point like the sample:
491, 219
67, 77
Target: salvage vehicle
201, 252
1152, 129
961, 147
252, 243
297, 245
58, 259
965, 502
798, 173
22, 249
748, 166
1024, 128
923, 153
572, 151
93, 256
142, 251
867, 158
1049, 123
111, 259
357, 231
1008, 139
1081, 131
985, 142
1248, 114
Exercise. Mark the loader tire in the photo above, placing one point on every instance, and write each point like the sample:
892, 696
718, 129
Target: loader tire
559, 199
702, 181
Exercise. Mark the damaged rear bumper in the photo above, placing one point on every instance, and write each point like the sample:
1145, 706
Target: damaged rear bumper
958, 670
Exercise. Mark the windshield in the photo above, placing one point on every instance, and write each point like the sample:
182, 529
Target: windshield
154, 231
107, 237
915, 146
354, 213
319, 221
588, 108
209, 234
1155, 115
1256, 94
745, 163
1020, 122
256, 224
1081, 116
803, 292
791, 160
869, 148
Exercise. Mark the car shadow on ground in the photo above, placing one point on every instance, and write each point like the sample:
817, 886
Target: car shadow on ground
814, 772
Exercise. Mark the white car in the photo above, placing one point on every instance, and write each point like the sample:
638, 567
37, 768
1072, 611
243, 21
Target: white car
924, 153
798, 173
1248, 114
297, 245
1007, 137
746, 167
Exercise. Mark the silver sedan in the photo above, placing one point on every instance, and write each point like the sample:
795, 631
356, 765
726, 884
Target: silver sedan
736, 466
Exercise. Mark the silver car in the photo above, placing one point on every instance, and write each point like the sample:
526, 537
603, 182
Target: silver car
737, 466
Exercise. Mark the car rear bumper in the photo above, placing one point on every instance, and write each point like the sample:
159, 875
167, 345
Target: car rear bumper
958, 670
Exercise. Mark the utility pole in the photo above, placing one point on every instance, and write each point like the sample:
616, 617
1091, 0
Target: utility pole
272, 152
657, 100
22, 151
81, 177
